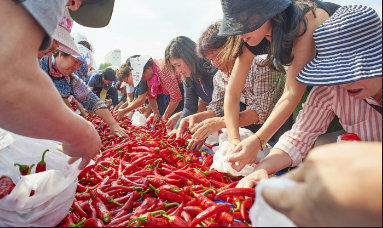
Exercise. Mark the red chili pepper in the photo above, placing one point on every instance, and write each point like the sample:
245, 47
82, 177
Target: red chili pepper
76, 206
193, 210
209, 212
149, 221
208, 161
102, 210
120, 220
42, 165
186, 216
23, 169
237, 201
166, 195
178, 211
350, 137
6, 186
250, 192
191, 176
226, 217
129, 204
93, 222
92, 210
217, 184
246, 204
237, 215
238, 224
203, 200
68, 219
176, 221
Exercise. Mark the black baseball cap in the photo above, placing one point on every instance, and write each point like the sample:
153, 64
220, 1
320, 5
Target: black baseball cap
93, 13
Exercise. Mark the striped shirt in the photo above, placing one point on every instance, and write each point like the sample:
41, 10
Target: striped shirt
169, 82
262, 90
323, 103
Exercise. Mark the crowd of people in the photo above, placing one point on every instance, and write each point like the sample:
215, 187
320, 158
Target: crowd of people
297, 73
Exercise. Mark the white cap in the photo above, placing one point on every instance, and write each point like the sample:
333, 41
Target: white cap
138, 65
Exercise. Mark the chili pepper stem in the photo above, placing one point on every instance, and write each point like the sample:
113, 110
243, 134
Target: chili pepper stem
42, 162
30, 169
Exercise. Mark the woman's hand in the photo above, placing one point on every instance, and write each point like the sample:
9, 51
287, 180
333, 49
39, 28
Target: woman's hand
117, 130
187, 122
194, 145
246, 152
253, 179
207, 128
120, 114
173, 121
157, 117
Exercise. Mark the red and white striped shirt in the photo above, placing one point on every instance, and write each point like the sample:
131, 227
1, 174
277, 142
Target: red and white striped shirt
323, 103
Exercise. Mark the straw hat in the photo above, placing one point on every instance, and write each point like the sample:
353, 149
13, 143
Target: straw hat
62, 35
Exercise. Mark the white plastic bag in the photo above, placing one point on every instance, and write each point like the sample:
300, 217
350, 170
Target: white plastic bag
243, 132
221, 160
138, 120
6, 139
54, 189
261, 214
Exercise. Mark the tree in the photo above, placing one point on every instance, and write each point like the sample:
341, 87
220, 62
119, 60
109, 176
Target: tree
104, 65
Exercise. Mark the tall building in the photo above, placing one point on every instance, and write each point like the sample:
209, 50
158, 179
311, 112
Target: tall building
114, 58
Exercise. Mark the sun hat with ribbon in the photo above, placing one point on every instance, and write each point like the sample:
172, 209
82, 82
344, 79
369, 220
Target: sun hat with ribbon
138, 65
244, 16
349, 46
85, 54
77, 37
62, 35
94, 13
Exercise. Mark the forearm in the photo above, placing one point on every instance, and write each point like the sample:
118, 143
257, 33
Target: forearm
247, 118
231, 117
106, 116
275, 162
154, 105
119, 105
49, 118
233, 93
171, 108
135, 104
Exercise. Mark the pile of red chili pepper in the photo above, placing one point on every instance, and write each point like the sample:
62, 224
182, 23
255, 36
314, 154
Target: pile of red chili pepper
150, 179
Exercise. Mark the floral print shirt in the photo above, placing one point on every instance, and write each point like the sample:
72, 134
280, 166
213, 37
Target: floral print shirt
75, 87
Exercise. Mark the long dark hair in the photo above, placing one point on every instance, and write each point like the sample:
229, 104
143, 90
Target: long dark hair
184, 48
286, 28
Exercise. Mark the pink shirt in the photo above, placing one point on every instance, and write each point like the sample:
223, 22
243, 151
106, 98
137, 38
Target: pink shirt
323, 103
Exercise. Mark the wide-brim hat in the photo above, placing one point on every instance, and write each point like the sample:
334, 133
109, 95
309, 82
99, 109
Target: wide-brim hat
85, 54
244, 16
138, 65
94, 13
67, 44
349, 46
62, 35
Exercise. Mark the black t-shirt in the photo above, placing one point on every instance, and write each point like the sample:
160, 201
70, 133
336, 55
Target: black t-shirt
262, 47
141, 88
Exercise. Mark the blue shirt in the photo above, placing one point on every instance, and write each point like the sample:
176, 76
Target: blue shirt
95, 80
74, 86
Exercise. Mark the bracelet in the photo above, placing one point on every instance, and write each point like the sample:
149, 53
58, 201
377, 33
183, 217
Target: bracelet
260, 141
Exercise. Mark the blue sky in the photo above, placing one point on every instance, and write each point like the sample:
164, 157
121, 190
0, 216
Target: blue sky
145, 27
